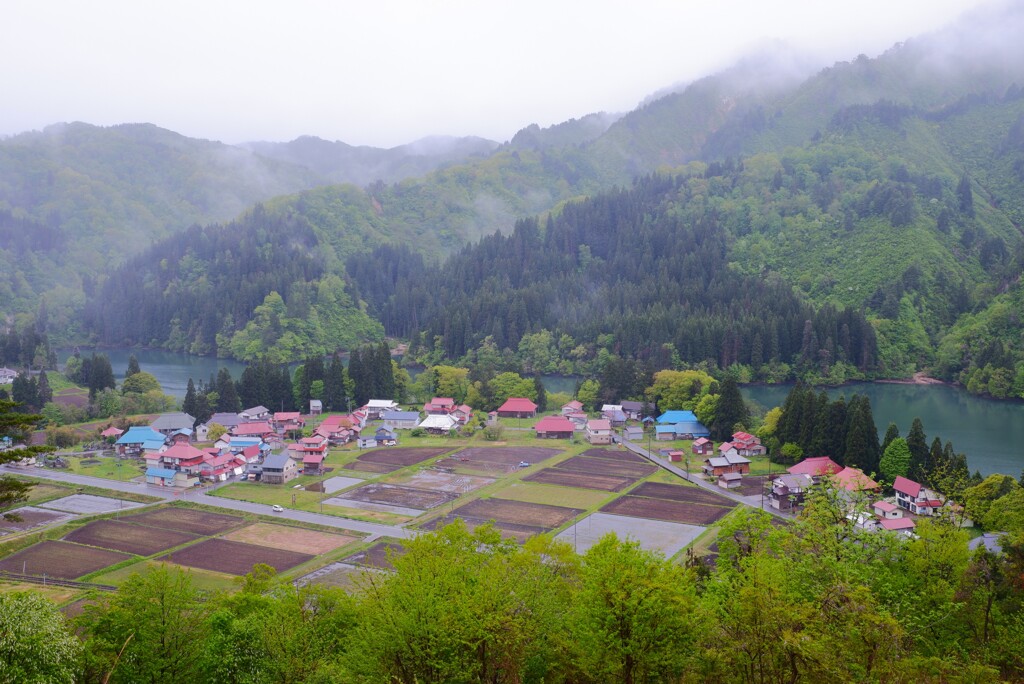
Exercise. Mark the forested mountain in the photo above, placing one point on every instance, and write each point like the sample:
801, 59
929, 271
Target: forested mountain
337, 162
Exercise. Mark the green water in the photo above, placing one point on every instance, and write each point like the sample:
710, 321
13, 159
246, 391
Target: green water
990, 432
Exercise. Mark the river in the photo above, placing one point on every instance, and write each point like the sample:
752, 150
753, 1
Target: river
990, 432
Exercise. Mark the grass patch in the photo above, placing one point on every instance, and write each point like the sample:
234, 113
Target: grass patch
300, 499
57, 595
554, 495
204, 580
108, 468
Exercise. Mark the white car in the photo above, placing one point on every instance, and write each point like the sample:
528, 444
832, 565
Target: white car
276, 508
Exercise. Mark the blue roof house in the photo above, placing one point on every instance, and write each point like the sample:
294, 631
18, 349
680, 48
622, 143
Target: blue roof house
677, 417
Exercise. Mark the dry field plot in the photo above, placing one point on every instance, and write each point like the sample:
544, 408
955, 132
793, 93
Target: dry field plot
60, 559
235, 558
405, 497
390, 459
548, 494
89, 504
122, 536
615, 455
658, 490
31, 517
653, 535
752, 485
569, 478
665, 509
377, 556
187, 520
289, 538
519, 519
607, 466
438, 481
497, 459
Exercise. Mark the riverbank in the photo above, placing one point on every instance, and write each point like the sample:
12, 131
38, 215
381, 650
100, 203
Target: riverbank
918, 378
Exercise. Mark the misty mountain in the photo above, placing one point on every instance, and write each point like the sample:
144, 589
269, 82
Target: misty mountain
337, 162
571, 132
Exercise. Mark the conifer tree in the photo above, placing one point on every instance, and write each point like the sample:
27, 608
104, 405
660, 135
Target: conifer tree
44, 394
133, 367
227, 393
189, 404
729, 411
891, 433
862, 448
918, 445
542, 394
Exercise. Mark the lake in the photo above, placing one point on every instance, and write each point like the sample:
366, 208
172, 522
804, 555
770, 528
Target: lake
990, 432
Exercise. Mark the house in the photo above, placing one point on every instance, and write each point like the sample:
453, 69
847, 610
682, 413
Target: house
7, 376
632, 409
615, 416
788, 491
633, 433
183, 458
161, 477
112, 432
672, 417
599, 431
572, 407
611, 407
816, 467
748, 445
676, 456
316, 445
338, 429
139, 440
202, 432
278, 469
903, 526
316, 407
517, 407
401, 420
386, 436
702, 446
726, 462
554, 427
730, 480
261, 430
916, 498
439, 406
284, 422
228, 420
886, 510
854, 480
313, 464
462, 413
439, 424
169, 423
254, 414
691, 429
376, 407
578, 419
368, 442
664, 433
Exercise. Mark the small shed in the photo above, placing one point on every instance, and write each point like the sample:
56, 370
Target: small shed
730, 480
316, 407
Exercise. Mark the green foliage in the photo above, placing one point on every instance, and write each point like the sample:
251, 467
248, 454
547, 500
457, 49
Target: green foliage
140, 382
896, 460
36, 645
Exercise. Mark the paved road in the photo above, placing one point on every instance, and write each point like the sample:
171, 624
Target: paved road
374, 530
752, 501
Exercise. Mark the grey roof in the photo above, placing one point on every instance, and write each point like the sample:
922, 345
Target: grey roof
798, 481
173, 421
632, 406
228, 420
256, 410
401, 415
731, 476
279, 460
990, 540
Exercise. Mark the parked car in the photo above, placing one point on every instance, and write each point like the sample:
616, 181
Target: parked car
524, 464
276, 508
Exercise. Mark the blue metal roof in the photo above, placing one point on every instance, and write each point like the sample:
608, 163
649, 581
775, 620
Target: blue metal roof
165, 473
139, 435
662, 429
677, 417
401, 415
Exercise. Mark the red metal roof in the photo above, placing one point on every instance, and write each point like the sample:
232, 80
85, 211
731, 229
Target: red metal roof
251, 429
885, 506
906, 486
519, 405
897, 523
815, 467
853, 480
554, 424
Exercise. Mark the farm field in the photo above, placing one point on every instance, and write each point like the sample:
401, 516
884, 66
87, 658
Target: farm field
592, 465
395, 495
186, 520
234, 558
666, 509
528, 492
89, 504
60, 559
516, 518
653, 535
441, 481
290, 538
201, 579
31, 517
671, 492
390, 459
377, 555
496, 459
128, 537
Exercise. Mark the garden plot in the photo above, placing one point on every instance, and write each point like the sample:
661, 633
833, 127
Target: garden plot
235, 558
32, 517
615, 455
377, 556
122, 536
289, 538
658, 490
607, 466
87, 504
665, 509
569, 478
390, 459
60, 559
653, 535
517, 518
187, 520
497, 459
439, 481
407, 498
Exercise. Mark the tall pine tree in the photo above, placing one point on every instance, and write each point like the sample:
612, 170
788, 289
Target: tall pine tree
918, 445
730, 411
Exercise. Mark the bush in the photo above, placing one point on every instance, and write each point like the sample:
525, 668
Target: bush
493, 433
417, 432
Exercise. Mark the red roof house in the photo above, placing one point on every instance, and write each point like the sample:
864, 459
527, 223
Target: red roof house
439, 406
252, 430
815, 467
702, 446
854, 480
554, 427
517, 407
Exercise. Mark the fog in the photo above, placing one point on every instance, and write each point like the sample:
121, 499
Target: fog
384, 74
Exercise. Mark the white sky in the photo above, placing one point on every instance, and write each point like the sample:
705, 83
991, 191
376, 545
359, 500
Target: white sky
383, 73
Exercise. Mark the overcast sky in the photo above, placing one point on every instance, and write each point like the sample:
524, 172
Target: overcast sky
388, 72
